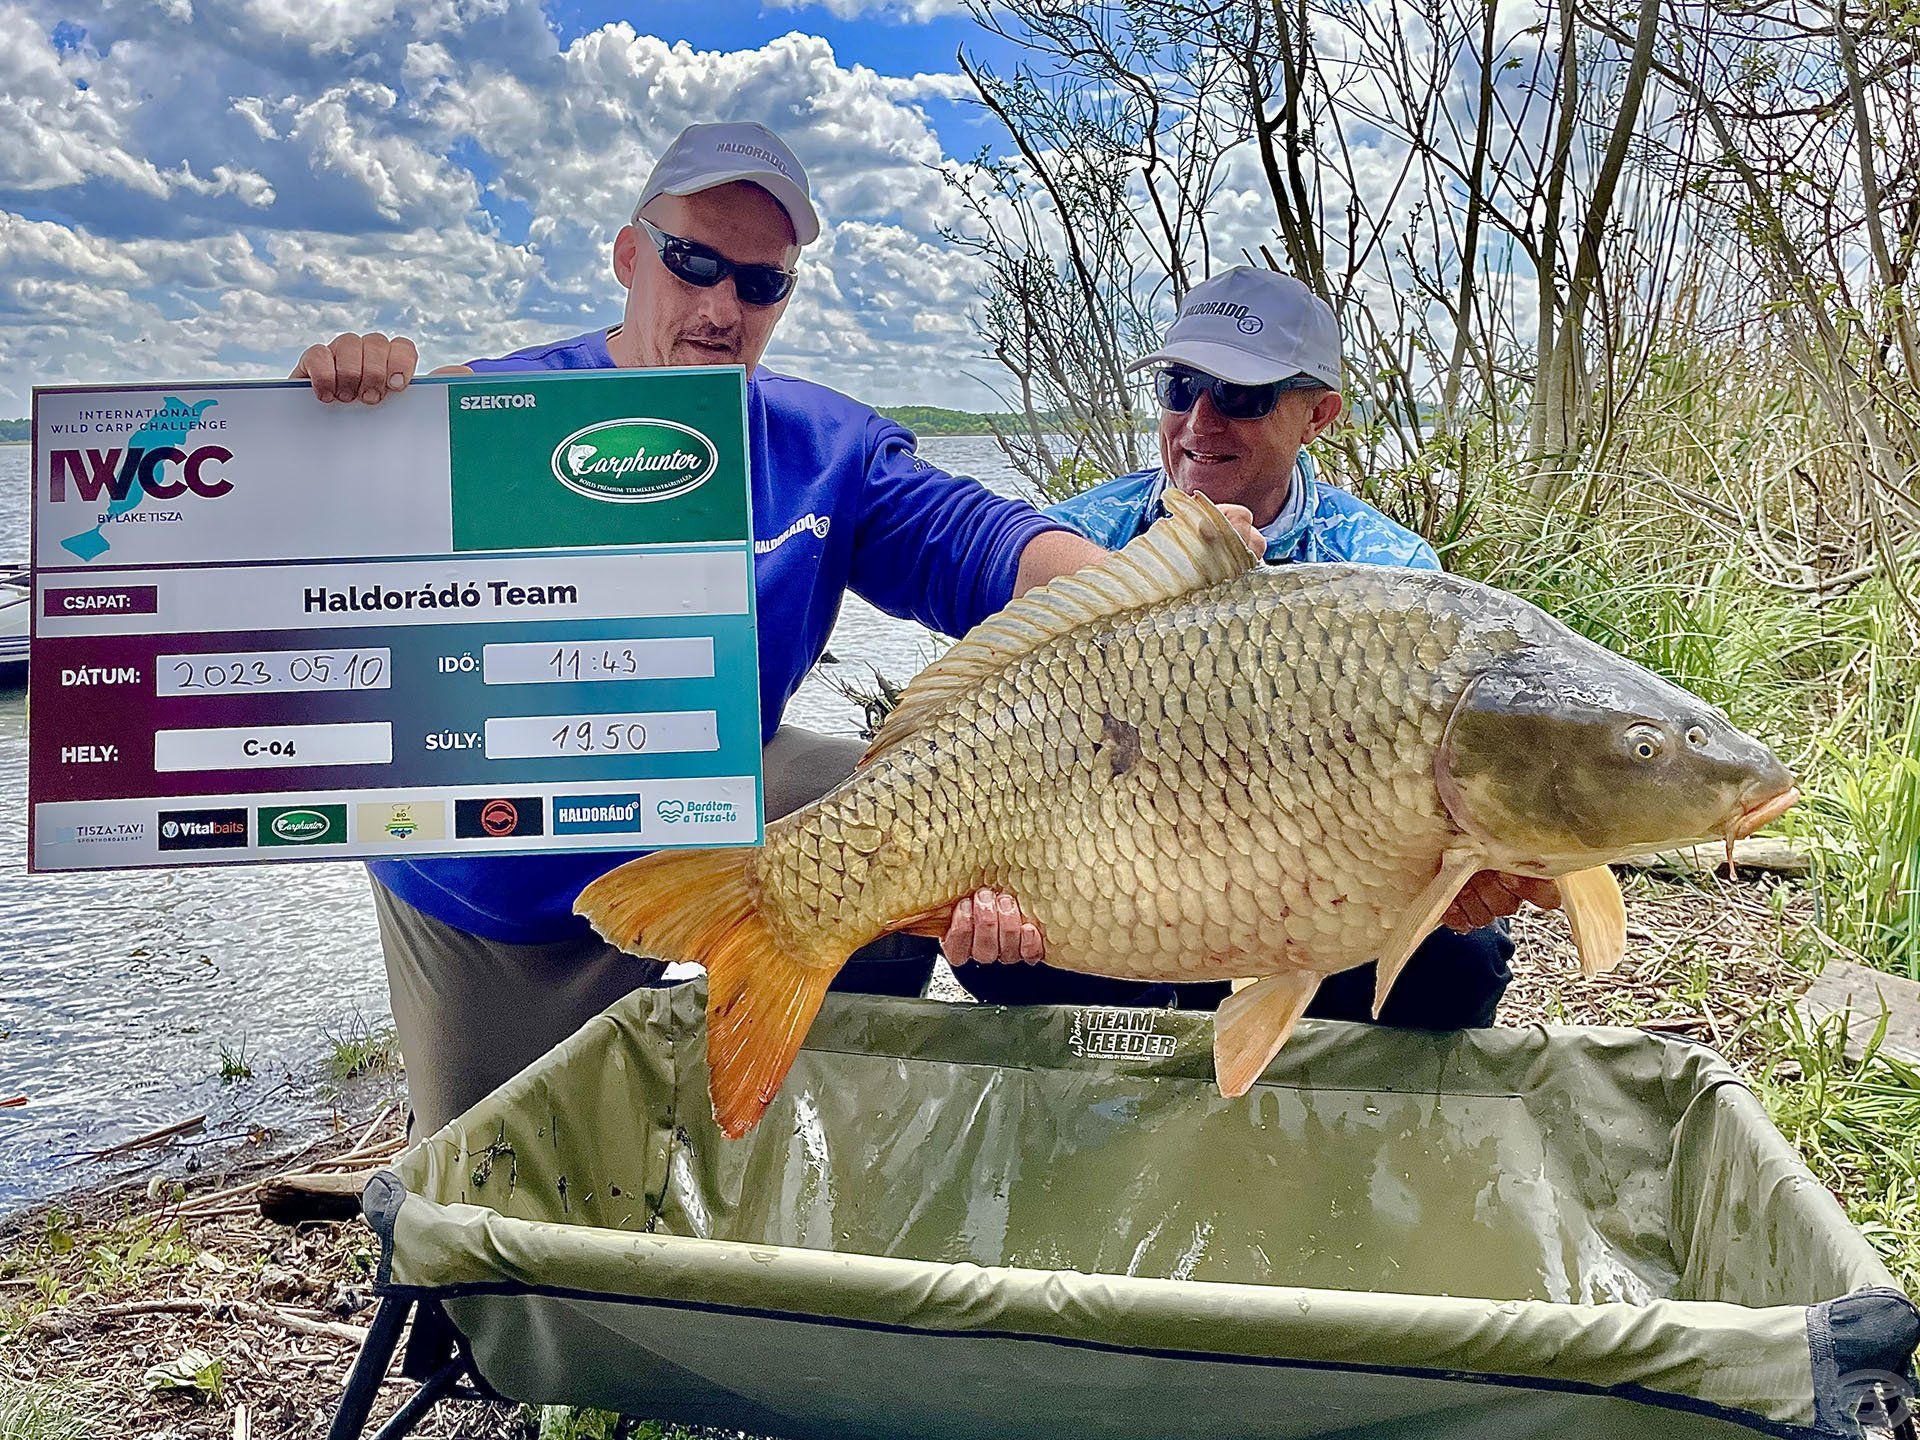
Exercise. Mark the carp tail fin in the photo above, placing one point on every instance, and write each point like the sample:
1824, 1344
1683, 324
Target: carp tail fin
698, 906
1597, 915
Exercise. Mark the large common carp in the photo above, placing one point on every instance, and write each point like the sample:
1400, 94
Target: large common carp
1187, 767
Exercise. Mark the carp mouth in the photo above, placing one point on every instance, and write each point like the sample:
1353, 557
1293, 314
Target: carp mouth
1762, 813
1757, 816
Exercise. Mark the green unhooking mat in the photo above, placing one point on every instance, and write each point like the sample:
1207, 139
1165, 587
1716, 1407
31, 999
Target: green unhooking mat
967, 1221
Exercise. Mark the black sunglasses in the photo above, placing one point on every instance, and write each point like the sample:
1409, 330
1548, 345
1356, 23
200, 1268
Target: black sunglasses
701, 265
1178, 388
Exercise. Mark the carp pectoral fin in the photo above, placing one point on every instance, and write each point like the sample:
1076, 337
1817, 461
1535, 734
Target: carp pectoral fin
1456, 868
1598, 917
930, 923
1252, 1024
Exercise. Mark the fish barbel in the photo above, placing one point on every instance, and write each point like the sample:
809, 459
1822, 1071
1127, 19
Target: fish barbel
1190, 767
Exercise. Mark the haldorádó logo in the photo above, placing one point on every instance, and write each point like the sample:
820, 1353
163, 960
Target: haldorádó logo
632, 461
596, 814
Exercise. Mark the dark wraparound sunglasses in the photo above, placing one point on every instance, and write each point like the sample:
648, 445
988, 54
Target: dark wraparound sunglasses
701, 265
1178, 388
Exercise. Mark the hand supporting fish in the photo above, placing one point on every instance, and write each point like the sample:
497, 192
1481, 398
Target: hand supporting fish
990, 928
1189, 767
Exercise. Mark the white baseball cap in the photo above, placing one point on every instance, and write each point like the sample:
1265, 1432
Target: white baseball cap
1252, 326
703, 156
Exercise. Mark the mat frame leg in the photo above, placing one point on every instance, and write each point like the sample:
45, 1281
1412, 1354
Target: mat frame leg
369, 1369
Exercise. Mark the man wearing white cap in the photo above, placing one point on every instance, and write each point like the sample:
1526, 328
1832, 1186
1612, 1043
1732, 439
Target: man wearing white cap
487, 965
1248, 376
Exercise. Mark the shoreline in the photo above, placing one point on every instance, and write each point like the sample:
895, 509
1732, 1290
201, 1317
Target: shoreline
190, 1262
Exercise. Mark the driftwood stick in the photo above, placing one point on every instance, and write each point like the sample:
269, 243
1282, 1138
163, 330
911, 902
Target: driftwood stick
372, 1130
139, 1142
298, 1199
1759, 852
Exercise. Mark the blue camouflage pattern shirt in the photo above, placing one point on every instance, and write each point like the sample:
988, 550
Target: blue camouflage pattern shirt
1320, 522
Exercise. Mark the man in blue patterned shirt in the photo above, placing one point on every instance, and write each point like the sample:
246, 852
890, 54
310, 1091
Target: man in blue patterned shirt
1248, 377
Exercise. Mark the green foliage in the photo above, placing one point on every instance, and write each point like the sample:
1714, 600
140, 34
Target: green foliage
65, 1263
192, 1372
359, 1048
234, 1064
1857, 1124
40, 1412
563, 1422
16, 430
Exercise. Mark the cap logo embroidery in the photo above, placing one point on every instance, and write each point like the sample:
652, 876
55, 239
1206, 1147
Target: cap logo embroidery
735, 147
1250, 325
1218, 307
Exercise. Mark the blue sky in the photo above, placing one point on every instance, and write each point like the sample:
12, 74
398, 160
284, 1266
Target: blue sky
202, 187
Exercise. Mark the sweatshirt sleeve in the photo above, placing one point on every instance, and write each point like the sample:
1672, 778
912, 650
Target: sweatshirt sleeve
933, 547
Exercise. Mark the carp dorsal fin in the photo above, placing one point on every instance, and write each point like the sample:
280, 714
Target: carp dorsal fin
1191, 548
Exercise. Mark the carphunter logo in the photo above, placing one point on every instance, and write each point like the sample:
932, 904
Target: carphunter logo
634, 461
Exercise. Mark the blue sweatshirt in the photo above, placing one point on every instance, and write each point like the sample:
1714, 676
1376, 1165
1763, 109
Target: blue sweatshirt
840, 502
1319, 522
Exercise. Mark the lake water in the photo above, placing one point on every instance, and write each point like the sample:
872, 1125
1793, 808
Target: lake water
119, 992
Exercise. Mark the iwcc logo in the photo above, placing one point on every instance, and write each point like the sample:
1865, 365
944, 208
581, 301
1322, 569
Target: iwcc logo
631, 462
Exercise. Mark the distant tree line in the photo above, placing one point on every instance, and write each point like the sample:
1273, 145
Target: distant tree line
16, 430
938, 420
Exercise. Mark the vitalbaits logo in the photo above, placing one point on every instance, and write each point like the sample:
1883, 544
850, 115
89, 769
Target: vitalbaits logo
596, 814
155, 463
202, 829
498, 817
303, 825
631, 462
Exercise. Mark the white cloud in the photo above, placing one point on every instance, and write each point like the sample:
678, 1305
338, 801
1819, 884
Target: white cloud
239, 177
918, 11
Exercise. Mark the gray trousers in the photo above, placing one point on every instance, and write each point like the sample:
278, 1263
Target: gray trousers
471, 1013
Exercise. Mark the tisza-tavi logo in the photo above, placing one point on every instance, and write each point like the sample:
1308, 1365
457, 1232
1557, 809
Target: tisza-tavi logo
633, 461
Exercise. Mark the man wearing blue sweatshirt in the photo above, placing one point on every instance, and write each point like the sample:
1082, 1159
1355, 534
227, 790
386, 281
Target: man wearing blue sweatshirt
487, 965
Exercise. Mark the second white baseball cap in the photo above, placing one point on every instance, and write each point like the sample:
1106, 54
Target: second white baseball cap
1252, 326
703, 156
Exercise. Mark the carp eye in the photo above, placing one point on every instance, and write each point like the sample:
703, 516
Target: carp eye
1645, 742
1697, 737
